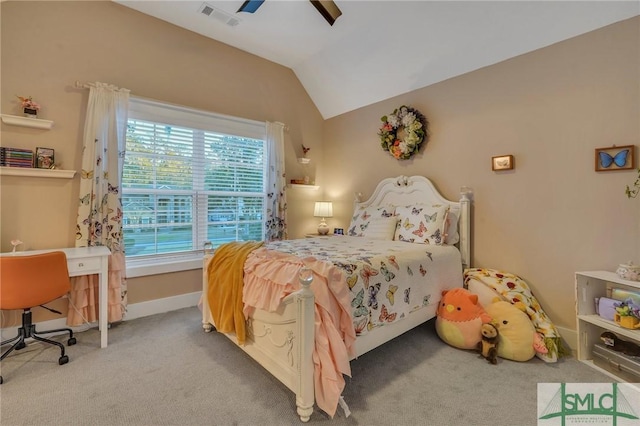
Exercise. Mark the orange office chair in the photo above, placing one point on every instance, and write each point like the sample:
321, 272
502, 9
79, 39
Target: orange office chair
27, 281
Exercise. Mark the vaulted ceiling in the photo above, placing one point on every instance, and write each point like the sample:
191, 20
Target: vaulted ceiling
380, 49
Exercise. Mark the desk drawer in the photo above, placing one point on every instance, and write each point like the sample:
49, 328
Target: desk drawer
82, 266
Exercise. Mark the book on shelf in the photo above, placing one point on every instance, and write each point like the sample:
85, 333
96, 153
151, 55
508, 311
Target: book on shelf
16, 157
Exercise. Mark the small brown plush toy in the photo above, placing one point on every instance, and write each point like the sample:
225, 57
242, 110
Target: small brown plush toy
488, 346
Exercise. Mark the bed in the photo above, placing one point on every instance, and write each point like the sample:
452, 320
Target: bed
404, 245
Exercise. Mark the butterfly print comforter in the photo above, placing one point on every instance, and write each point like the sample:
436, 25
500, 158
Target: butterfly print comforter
387, 280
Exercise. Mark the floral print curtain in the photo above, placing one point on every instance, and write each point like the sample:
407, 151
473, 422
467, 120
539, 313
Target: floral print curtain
99, 220
276, 223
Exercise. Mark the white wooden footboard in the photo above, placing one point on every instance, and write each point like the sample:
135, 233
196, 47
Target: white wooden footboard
282, 341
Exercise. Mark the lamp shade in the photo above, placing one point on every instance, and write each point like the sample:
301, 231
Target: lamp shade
323, 209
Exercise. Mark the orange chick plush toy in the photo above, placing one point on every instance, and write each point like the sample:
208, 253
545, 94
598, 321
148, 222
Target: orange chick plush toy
460, 318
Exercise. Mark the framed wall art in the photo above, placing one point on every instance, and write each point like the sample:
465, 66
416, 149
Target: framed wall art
502, 162
615, 158
44, 158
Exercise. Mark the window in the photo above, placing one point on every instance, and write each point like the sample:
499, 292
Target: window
190, 177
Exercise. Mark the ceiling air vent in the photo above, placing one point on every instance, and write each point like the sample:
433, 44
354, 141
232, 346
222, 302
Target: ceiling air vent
218, 14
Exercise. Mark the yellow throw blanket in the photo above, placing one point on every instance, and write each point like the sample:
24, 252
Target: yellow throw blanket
226, 272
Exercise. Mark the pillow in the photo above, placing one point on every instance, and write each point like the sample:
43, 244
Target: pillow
451, 227
459, 318
516, 331
363, 215
422, 224
381, 228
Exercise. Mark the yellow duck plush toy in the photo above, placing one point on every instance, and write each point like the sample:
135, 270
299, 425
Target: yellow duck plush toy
517, 334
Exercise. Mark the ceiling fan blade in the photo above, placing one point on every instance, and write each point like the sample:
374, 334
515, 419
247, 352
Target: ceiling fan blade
250, 6
328, 9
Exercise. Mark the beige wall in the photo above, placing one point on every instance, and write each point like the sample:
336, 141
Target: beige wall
553, 214
47, 46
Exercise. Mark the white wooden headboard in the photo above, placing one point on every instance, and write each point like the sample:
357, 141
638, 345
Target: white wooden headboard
412, 190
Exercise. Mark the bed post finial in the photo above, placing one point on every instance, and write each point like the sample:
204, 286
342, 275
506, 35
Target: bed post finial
466, 194
306, 332
208, 248
402, 181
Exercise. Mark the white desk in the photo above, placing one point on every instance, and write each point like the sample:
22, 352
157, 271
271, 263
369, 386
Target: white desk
86, 261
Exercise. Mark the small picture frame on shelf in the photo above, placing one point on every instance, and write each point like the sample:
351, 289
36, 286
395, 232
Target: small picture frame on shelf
502, 162
44, 158
615, 158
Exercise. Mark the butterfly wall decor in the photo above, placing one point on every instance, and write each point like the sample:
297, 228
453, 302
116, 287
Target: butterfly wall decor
615, 158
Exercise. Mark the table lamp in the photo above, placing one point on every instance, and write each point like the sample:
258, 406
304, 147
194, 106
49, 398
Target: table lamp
323, 209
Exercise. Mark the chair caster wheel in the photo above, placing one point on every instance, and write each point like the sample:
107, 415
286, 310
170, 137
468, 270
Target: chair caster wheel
71, 341
63, 360
21, 345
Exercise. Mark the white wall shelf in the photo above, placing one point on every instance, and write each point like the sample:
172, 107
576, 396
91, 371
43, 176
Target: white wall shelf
35, 123
33, 172
301, 185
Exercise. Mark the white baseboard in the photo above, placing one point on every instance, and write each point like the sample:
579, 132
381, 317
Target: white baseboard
158, 306
135, 310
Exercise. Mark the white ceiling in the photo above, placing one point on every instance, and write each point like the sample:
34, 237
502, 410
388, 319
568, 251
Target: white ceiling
380, 49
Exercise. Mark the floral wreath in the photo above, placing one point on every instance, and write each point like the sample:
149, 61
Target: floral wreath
403, 132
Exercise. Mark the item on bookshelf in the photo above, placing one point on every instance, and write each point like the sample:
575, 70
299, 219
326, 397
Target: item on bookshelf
30, 112
629, 271
621, 365
627, 314
29, 106
627, 321
44, 158
16, 157
605, 307
297, 181
15, 243
617, 344
624, 294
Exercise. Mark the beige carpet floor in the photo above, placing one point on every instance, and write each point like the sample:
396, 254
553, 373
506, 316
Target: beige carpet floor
164, 370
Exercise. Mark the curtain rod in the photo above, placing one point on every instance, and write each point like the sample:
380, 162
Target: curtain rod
82, 85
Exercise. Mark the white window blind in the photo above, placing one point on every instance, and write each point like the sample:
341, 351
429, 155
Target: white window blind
190, 177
